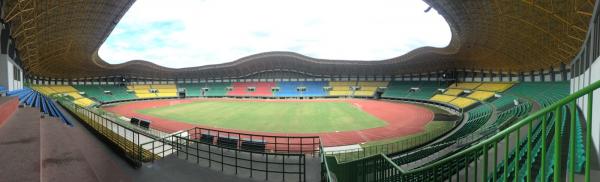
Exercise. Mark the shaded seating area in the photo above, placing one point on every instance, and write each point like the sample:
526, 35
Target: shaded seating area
411, 89
105, 93
66, 91
341, 88
142, 91
252, 89
165, 90
35, 99
453, 92
368, 88
481, 95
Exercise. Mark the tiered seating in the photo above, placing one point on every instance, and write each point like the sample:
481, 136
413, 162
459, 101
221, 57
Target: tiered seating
402, 89
216, 89
166, 90
35, 99
369, 88
545, 94
97, 92
191, 89
341, 88
315, 88
443, 98
65, 90
503, 102
142, 91
288, 89
495, 87
261, 89
119, 92
512, 113
481, 95
465, 85
422, 153
454, 92
94, 92
477, 118
462, 102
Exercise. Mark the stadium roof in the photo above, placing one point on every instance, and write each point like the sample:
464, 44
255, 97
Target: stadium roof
60, 39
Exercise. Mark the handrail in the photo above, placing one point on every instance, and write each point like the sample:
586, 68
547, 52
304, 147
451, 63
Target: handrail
326, 165
587, 90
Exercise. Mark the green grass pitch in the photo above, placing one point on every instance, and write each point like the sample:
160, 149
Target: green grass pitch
275, 117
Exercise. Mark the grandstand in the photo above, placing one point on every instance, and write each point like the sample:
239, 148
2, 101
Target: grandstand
409, 89
368, 88
252, 89
341, 88
481, 95
512, 97
165, 90
216, 89
142, 91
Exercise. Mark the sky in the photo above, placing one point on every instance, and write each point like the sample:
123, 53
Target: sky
186, 33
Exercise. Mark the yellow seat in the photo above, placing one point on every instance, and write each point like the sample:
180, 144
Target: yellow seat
372, 84
454, 92
465, 85
443, 98
84, 102
341, 88
462, 102
495, 87
166, 90
364, 92
481, 95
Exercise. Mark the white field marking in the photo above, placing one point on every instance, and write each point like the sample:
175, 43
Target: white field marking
357, 105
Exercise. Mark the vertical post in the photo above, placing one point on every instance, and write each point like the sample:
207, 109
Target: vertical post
543, 159
516, 158
485, 162
572, 142
466, 168
588, 137
494, 175
529, 128
505, 175
557, 143
475, 168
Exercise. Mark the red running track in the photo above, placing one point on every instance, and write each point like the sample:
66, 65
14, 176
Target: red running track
403, 119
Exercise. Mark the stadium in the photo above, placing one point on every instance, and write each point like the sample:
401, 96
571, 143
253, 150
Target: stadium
510, 98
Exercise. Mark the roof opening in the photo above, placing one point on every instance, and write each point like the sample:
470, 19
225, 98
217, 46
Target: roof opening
186, 33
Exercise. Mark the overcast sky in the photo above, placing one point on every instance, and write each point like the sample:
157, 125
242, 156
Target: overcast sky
185, 33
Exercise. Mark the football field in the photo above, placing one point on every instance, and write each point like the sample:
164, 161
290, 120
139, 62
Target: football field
274, 117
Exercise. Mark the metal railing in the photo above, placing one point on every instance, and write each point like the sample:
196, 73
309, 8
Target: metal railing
486, 158
264, 163
277, 157
122, 139
390, 148
403, 144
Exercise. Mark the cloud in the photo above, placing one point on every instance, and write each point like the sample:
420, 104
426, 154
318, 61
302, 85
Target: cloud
185, 33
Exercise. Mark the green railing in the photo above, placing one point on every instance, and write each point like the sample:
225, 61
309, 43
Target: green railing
398, 146
485, 157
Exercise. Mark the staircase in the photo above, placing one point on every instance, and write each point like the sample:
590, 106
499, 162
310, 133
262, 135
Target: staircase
38, 148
